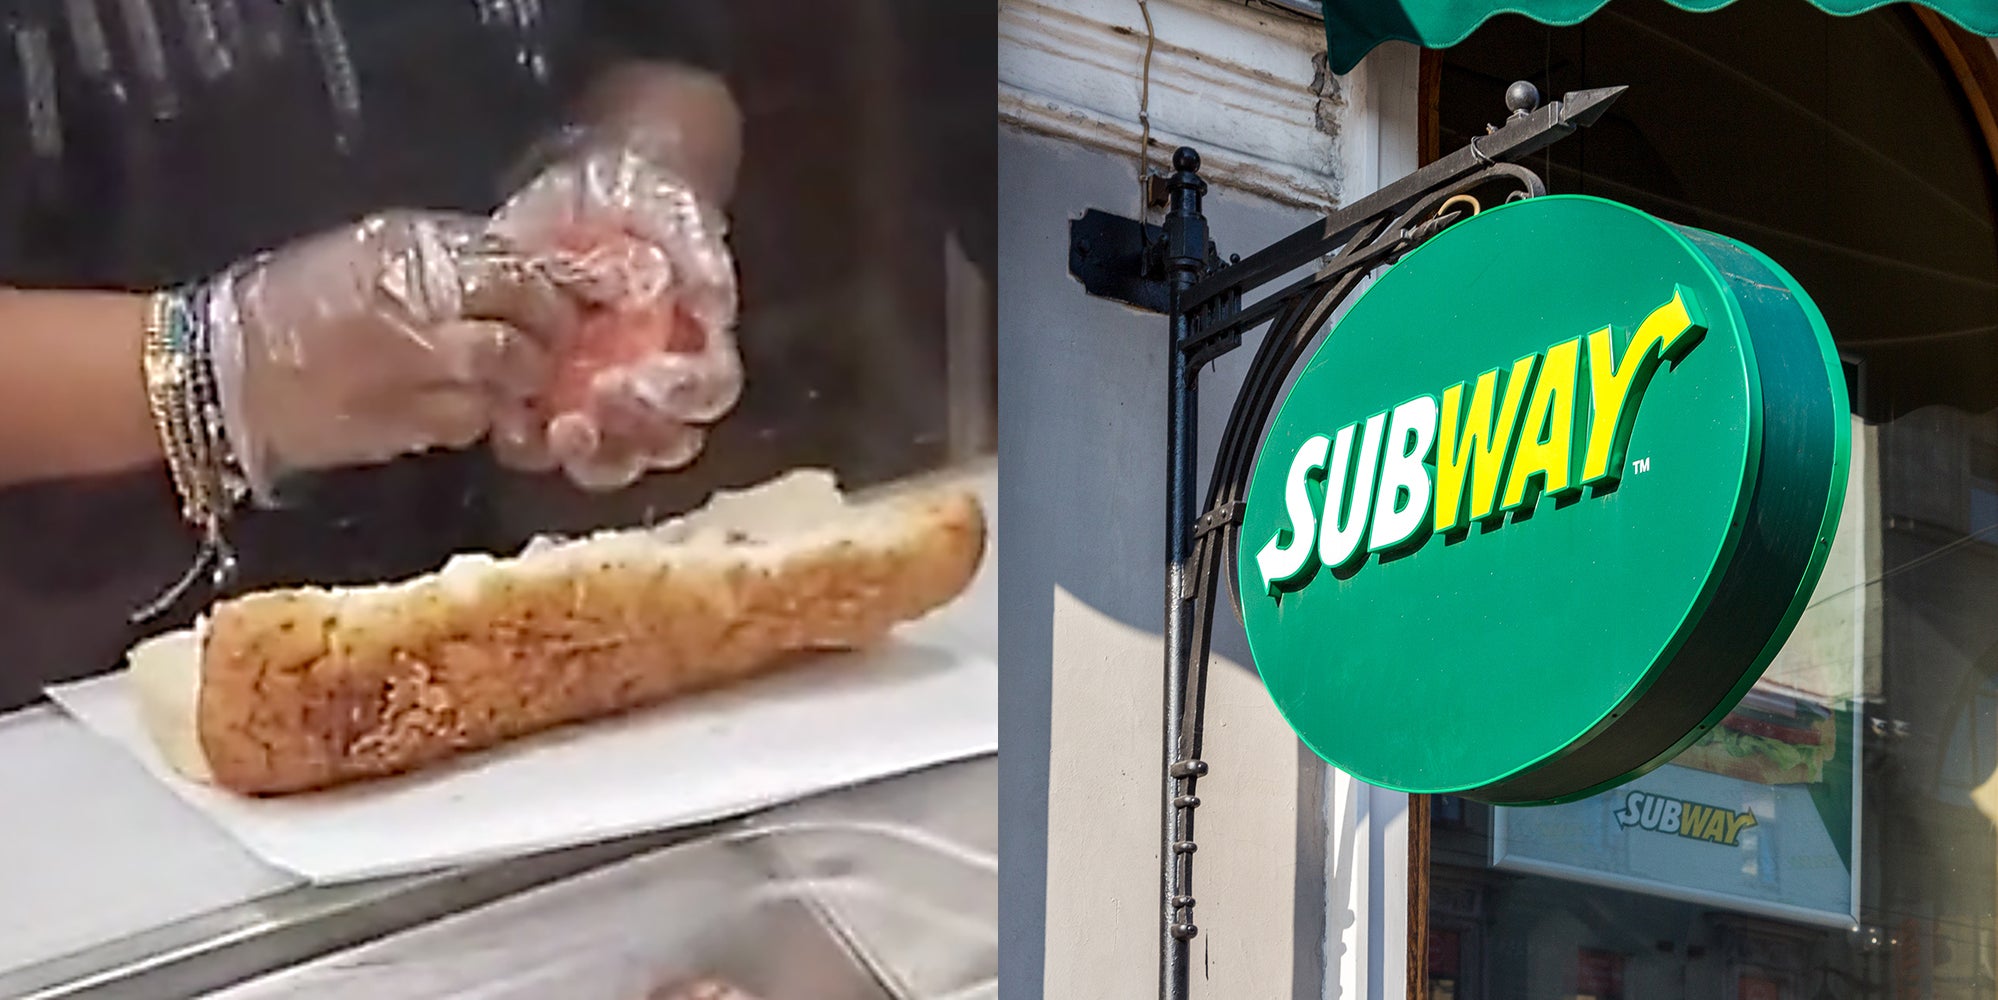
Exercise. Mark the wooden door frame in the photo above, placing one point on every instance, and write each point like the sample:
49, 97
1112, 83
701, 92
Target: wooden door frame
1974, 64
1428, 136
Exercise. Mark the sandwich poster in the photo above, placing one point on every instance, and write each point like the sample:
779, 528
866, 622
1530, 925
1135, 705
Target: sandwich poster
1761, 816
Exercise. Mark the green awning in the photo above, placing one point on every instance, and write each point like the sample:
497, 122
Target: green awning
1354, 27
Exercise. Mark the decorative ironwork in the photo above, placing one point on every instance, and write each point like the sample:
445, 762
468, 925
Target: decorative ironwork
1176, 264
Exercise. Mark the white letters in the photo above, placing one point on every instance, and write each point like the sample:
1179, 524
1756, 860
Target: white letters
1411, 435
1632, 812
1281, 562
1339, 537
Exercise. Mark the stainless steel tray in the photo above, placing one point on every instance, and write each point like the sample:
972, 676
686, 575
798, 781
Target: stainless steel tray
704, 909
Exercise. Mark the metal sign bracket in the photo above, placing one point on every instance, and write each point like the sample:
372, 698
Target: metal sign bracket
1123, 260
1173, 269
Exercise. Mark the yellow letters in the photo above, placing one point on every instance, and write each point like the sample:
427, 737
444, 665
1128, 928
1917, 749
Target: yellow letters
1552, 411
1737, 823
1712, 823
1693, 819
1614, 387
1479, 448
1716, 830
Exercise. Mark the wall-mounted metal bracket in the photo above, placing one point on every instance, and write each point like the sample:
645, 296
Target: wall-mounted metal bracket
1215, 327
1118, 258
1122, 259
1161, 269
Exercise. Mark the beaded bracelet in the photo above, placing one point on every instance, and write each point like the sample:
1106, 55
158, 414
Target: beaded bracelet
182, 394
223, 478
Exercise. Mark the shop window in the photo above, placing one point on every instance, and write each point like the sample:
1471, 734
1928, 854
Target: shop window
1598, 975
1845, 148
1446, 952
1970, 752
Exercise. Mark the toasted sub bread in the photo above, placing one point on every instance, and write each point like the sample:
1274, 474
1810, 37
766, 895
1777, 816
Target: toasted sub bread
291, 690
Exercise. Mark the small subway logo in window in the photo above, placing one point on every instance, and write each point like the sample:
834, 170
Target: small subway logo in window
1686, 819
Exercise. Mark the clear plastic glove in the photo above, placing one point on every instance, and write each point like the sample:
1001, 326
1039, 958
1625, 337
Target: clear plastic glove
397, 334
626, 217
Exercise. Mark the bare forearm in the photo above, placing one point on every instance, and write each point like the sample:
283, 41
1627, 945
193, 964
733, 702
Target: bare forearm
72, 395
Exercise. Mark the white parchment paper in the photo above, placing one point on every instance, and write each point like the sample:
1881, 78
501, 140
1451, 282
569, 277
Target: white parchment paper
927, 697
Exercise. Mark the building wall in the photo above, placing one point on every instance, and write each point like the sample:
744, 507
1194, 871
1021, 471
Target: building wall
1300, 870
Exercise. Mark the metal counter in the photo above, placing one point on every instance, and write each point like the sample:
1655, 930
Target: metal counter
812, 847
115, 889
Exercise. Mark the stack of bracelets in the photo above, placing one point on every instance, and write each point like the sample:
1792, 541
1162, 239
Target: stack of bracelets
186, 405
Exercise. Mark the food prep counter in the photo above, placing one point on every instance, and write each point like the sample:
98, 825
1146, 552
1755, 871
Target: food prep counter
114, 888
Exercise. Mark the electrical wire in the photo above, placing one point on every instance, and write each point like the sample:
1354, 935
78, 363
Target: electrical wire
1145, 114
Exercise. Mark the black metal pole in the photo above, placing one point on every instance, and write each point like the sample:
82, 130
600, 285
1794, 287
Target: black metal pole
1185, 263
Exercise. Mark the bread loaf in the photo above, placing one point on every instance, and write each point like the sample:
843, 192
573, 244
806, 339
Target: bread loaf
291, 690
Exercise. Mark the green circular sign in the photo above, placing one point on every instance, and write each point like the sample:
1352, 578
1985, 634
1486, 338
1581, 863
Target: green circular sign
1543, 504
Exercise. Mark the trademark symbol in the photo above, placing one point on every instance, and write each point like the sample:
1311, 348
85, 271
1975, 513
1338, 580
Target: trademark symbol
1641, 465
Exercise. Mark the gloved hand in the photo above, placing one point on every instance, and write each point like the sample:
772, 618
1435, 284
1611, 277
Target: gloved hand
396, 334
626, 215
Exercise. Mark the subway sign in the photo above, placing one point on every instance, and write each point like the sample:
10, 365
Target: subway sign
1448, 454
1543, 504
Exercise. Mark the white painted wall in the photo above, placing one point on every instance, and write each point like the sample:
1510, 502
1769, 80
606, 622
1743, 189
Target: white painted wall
1300, 871
1082, 419
1240, 83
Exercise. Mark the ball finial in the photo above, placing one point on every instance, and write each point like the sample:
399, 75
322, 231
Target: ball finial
1522, 97
1185, 158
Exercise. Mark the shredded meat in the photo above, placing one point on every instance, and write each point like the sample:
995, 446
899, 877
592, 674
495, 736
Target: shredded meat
646, 320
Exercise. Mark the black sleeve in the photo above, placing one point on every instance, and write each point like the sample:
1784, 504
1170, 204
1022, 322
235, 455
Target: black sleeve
148, 182
951, 81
